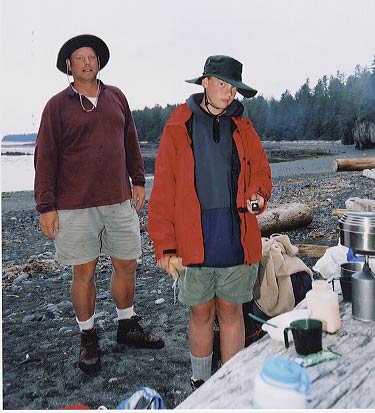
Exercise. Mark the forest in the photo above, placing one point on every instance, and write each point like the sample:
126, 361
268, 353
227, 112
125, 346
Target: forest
328, 111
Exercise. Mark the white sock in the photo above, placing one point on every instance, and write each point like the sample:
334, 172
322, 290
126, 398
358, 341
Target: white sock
125, 313
201, 367
86, 325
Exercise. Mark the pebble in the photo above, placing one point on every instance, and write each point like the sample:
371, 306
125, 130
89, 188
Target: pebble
159, 301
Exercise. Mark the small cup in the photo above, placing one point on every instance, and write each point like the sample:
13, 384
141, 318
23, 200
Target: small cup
346, 288
307, 335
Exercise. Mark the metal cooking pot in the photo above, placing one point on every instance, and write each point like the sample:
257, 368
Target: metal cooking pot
357, 231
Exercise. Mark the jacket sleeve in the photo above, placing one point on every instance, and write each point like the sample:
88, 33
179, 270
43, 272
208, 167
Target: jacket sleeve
260, 175
134, 160
161, 208
46, 159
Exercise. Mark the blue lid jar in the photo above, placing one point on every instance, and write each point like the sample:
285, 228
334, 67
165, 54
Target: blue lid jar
284, 373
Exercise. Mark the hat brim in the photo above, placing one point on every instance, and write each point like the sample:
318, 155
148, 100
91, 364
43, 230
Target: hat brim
245, 90
84, 40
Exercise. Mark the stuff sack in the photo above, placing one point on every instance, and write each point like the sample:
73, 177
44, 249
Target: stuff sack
144, 398
301, 283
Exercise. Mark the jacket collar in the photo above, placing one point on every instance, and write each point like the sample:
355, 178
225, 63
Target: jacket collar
182, 113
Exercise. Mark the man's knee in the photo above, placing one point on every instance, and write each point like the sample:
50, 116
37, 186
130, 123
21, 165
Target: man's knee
85, 272
124, 266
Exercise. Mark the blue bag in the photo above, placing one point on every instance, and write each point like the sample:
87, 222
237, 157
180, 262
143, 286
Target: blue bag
144, 398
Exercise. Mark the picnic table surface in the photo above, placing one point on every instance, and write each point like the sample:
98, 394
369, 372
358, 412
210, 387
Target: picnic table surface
344, 383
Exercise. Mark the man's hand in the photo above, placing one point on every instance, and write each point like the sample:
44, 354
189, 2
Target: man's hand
139, 196
49, 223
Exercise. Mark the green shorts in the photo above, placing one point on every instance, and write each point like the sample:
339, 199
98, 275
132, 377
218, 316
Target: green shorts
86, 233
198, 285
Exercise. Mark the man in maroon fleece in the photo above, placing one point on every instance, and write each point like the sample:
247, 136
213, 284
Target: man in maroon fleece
89, 186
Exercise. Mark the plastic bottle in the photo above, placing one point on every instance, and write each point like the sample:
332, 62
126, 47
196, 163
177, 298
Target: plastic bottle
282, 384
323, 304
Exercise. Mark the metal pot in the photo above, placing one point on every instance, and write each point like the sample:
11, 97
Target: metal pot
347, 270
357, 231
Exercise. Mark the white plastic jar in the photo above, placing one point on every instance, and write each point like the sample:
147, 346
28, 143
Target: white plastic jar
281, 384
323, 304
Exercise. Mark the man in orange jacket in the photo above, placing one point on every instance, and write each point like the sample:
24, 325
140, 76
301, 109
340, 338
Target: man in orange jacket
212, 178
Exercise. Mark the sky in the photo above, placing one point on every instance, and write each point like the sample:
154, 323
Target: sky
156, 45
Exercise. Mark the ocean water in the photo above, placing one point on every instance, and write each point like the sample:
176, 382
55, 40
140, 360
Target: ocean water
17, 171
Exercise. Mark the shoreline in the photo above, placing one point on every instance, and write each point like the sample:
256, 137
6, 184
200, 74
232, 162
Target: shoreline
314, 166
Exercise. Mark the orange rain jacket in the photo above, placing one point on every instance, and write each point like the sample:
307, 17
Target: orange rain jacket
174, 213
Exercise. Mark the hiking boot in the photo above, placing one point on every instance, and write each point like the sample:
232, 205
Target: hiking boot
89, 355
131, 333
195, 384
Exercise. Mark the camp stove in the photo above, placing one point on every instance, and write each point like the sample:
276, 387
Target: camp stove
357, 231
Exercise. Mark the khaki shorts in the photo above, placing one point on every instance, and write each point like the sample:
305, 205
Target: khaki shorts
198, 285
86, 233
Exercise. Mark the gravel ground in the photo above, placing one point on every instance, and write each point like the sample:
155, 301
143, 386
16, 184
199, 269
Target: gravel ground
40, 335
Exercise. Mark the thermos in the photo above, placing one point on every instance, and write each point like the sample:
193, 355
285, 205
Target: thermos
363, 294
281, 384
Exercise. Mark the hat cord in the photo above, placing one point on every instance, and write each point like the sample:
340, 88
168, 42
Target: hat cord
207, 103
80, 95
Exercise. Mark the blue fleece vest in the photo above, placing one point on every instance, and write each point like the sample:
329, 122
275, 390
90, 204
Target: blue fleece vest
213, 149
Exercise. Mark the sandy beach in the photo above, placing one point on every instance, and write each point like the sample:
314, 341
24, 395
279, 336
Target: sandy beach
40, 335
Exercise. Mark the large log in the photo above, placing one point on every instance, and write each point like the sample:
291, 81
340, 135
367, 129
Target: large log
285, 217
311, 250
356, 204
339, 212
354, 164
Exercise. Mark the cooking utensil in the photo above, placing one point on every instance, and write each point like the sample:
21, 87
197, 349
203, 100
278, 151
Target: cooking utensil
254, 317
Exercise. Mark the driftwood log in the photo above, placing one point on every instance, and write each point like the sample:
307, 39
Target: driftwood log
285, 217
356, 205
354, 164
360, 204
339, 212
311, 250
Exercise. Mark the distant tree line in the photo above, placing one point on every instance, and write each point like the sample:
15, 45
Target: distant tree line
25, 137
329, 111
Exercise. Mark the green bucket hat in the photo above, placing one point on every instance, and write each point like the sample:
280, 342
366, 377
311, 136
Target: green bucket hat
227, 69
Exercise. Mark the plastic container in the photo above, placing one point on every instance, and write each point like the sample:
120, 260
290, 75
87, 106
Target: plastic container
281, 384
323, 304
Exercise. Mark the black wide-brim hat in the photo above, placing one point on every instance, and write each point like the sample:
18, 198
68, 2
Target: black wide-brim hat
83, 40
227, 69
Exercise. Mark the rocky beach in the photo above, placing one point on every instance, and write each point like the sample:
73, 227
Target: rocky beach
40, 335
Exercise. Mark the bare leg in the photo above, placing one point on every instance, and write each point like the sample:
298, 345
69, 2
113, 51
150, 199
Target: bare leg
123, 282
201, 329
83, 291
232, 328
